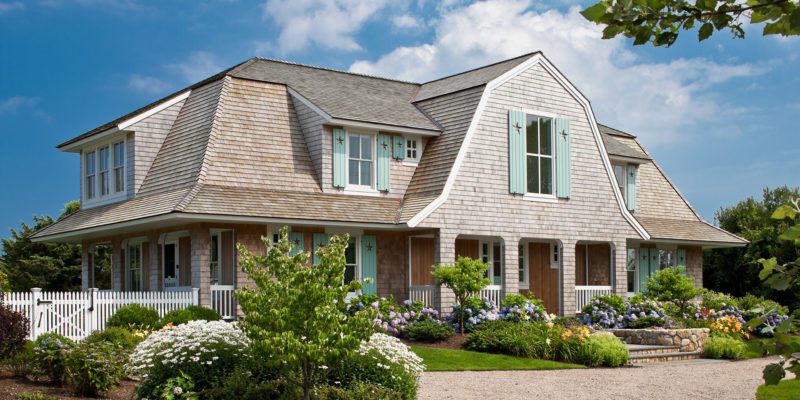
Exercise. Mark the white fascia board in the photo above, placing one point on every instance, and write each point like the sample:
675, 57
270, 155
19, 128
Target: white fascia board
361, 124
629, 160
76, 147
535, 59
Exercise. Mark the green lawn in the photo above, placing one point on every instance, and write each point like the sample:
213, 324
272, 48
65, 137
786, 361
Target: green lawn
787, 389
461, 360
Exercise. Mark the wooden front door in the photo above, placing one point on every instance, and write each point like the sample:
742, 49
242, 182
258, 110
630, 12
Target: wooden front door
467, 248
543, 279
422, 261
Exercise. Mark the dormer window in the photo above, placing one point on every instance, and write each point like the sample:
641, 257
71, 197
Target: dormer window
104, 172
412, 150
360, 159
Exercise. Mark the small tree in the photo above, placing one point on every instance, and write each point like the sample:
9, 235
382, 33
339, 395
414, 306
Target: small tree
670, 284
297, 314
464, 278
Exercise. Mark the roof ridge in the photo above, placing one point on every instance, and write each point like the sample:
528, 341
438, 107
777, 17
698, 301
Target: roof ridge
333, 70
484, 66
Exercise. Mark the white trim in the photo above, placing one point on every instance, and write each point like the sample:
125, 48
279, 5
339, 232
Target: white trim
362, 124
630, 160
358, 188
526, 283
537, 58
72, 147
163, 106
542, 198
112, 197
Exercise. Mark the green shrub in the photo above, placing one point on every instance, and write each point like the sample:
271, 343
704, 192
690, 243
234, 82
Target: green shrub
94, 369
672, 284
796, 320
606, 301
567, 321
134, 316
242, 384
724, 346
35, 396
718, 301
356, 391
534, 340
191, 313
22, 364
13, 331
49, 355
519, 300
428, 331
602, 349
119, 337
645, 322
749, 302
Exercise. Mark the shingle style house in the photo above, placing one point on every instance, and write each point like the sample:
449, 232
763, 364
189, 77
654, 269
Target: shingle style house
505, 163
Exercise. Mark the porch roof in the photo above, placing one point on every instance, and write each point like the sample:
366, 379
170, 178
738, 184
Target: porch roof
688, 230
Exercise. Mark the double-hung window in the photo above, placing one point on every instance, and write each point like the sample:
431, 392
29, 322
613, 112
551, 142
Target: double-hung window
119, 167
492, 253
631, 269
215, 270
523, 267
360, 160
539, 154
619, 174
351, 261
90, 168
104, 156
134, 281
412, 149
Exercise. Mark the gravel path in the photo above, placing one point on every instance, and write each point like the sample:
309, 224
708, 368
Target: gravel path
702, 379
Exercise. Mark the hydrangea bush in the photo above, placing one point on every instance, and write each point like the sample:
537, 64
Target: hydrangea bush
476, 312
391, 317
518, 308
94, 369
201, 349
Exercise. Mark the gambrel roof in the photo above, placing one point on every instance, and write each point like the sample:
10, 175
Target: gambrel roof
236, 148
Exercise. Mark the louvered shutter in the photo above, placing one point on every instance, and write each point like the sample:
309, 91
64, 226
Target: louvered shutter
320, 240
369, 264
339, 158
654, 261
516, 152
631, 188
563, 159
399, 149
296, 239
384, 153
680, 259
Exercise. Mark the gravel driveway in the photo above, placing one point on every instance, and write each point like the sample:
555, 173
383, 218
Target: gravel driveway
701, 379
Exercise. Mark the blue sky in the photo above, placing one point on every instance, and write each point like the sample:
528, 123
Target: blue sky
720, 116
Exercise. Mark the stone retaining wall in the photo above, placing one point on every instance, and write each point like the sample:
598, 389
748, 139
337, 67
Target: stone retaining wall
688, 339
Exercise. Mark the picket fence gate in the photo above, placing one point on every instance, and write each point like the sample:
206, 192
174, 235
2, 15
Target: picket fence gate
76, 314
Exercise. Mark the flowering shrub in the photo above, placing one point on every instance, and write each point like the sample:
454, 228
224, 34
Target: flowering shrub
49, 354
579, 332
391, 317
13, 331
518, 308
728, 325
203, 350
382, 360
119, 337
476, 312
184, 315
94, 369
179, 387
643, 312
771, 319
602, 314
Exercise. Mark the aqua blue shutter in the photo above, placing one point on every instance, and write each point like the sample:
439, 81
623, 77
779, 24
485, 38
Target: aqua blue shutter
384, 151
319, 240
631, 188
563, 159
644, 266
399, 149
680, 255
516, 152
296, 239
339, 158
654, 261
369, 267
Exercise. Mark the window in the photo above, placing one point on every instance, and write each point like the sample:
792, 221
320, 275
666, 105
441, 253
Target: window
103, 154
539, 154
360, 162
631, 268
89, 167
523, 267
554, 254
351, 261
119, 167
411, 149
619, 173
134, 280
215, 270
666, 258
492, 253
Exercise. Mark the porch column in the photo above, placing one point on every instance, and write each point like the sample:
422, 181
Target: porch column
86, 264
568, 278
154, 263
201, 263
510, 280
619, 281
117, 266
444, 252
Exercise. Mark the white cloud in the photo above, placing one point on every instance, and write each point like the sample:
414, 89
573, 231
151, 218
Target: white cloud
147, 84
15, 103
406, 21
198, 66
327, 23
8, 7
656, 100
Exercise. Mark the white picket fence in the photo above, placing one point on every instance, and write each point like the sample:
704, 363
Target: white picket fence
423, 293
76, 314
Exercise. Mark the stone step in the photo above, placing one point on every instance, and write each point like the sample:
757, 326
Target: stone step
636, 359
640, 349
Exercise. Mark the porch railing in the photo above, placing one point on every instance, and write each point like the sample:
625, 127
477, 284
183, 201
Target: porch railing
584, 294
423, 293
76, 314
223, 302
493, 293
